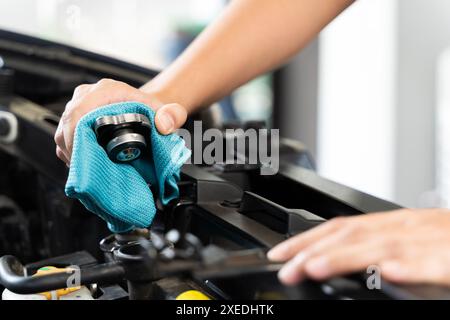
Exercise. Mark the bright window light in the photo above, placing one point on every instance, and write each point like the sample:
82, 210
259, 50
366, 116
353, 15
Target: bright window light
357, 97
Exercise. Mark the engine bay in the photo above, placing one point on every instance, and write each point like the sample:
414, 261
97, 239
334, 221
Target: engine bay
210, 240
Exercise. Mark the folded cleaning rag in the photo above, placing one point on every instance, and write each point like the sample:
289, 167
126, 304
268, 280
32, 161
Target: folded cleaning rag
120, 193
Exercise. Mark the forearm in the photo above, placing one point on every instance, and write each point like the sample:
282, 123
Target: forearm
250, 37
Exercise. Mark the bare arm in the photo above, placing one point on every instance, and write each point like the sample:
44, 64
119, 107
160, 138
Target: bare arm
250, 37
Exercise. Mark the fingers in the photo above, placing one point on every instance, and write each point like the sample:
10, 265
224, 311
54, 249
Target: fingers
61, 152
170, 117
63, 139
338, 257
346, 259
68, 132
333, 255
81, 90
62, 156
293, 271
352, 227
87, 97
63, 136
342, 245
66, 128
289, 248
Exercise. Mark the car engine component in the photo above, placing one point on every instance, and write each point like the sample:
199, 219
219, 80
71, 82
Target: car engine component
124, 136
8, 127
211, 240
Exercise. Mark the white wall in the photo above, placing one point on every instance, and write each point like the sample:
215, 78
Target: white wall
424, 32
357, 97
443, 130
378, 96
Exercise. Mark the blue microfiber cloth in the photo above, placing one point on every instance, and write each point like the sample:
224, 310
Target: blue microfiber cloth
119, 193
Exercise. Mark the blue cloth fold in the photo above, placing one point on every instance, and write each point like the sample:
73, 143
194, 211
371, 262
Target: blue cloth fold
120, 193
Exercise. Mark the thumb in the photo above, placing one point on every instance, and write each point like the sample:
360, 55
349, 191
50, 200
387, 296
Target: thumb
170, 117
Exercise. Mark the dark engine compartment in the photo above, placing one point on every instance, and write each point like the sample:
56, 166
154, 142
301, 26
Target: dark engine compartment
231, 208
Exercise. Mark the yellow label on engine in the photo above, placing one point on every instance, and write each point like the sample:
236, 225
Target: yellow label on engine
192, 295
54, 295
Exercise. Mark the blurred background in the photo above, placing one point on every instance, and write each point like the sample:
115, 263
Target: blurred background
370, 97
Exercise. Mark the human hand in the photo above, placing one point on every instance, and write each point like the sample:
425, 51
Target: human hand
87, 97
409, 246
